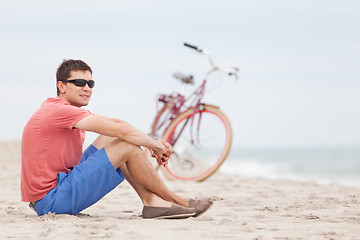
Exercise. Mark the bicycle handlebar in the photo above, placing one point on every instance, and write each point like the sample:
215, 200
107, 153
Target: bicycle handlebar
192, 46
232, 71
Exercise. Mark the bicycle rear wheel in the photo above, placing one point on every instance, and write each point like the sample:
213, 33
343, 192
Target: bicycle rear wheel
201, 142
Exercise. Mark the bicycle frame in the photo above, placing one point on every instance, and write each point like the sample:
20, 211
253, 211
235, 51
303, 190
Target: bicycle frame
176, 102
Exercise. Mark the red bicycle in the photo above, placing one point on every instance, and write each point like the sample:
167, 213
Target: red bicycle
200, 133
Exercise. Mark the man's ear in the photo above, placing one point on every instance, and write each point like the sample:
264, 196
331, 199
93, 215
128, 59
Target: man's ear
61, 86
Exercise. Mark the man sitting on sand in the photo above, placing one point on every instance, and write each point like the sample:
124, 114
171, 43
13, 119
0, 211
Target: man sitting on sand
57, 177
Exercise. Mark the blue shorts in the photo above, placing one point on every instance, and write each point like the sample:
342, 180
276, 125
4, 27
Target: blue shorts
83, 186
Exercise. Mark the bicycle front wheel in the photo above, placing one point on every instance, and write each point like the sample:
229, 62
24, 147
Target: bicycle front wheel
201, 142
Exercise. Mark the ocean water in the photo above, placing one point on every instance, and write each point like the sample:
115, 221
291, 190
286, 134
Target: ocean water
322, 165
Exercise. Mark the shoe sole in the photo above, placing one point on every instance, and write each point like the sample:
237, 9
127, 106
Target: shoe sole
176, 216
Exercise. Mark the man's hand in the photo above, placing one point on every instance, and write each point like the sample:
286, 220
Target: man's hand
162, 155
168, 153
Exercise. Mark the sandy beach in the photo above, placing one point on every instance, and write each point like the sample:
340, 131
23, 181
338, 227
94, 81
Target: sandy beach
244, 208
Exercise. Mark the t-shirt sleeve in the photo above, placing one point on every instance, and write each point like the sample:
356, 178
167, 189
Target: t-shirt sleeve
66, 116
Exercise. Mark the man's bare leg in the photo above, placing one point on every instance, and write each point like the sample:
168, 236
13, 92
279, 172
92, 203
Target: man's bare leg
139, 172
148, 198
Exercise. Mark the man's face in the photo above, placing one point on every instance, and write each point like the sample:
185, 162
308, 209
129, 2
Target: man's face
76, 96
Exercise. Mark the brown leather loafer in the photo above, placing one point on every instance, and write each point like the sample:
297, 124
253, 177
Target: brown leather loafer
201, 206
173, 212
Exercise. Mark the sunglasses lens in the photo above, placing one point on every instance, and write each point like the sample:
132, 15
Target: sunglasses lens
91, 83
80, 82
83, 82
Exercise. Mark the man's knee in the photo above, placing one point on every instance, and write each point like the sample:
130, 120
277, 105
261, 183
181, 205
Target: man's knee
119, 152
129, 150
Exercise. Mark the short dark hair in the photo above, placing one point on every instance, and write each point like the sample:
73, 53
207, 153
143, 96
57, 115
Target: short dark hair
63, 71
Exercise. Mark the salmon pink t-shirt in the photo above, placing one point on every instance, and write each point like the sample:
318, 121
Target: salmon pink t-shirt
50, 145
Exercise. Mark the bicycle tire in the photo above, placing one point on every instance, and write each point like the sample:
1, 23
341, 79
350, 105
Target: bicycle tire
203, 166
159, 115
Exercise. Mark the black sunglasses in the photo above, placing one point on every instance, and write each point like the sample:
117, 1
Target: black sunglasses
81, 82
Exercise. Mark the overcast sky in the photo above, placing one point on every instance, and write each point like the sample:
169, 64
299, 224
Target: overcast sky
299, 62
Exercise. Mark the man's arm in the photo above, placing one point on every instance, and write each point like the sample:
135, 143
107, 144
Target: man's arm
126, 132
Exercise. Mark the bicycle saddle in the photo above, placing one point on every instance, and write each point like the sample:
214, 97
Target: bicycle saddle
184, 78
